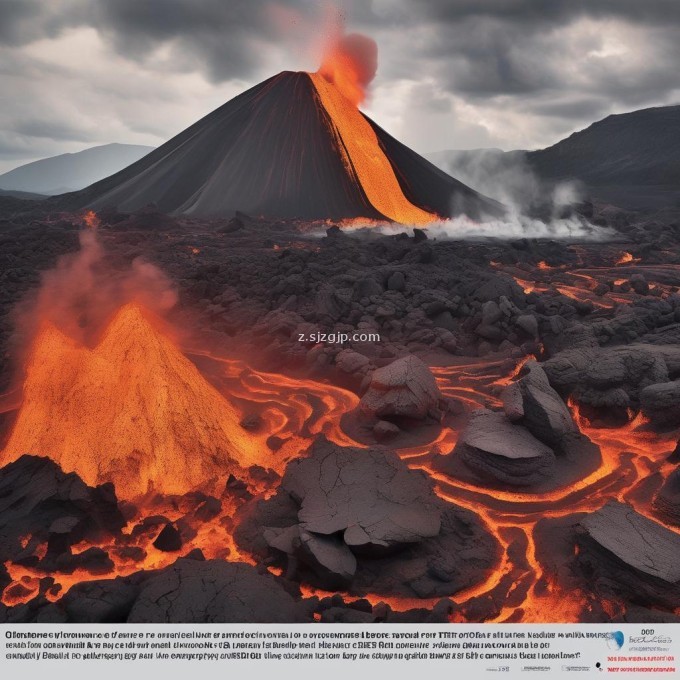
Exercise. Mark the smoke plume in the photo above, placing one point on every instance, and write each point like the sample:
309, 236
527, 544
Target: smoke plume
84, 290
350, 62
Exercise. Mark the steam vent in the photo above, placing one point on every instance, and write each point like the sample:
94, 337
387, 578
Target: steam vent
291, 147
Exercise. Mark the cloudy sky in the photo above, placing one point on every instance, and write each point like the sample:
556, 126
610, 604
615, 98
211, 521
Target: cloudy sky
451, 74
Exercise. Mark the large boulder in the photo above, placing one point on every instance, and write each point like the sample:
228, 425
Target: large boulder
497, 450
532, 402
362, 519
661, 402
631, 555
534, 442
403, 389
40, 503
368, 496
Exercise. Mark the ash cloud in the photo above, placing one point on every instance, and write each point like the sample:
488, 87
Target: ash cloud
518, 74
81, 293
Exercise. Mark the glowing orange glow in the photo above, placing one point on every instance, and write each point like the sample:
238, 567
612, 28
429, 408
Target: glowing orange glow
624, 259
90, 219
363, 157
350, 63
133, 410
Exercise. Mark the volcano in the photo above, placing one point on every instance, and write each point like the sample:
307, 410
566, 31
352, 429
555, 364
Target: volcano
133, 411
291, 147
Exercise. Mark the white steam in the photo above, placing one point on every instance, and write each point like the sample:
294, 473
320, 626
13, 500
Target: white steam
512, 226
535, 208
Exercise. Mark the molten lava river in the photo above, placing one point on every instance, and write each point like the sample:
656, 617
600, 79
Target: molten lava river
136, 410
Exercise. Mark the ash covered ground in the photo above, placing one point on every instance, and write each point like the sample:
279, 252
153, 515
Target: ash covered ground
502, 449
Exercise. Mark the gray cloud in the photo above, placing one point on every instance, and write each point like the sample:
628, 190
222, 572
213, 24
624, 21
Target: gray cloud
452, 73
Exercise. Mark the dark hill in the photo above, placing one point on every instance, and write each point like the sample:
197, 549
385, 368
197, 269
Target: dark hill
271, 151
631, 159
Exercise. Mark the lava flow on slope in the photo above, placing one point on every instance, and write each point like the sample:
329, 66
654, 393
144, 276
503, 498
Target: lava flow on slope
295, 146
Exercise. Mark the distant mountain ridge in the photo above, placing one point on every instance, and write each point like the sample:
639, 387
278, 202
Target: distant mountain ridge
71, 171
637, 148
630, 159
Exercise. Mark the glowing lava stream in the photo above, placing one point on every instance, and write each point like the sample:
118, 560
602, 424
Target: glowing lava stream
363, 157
296, 410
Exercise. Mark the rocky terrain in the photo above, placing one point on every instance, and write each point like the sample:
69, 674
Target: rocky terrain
499, 445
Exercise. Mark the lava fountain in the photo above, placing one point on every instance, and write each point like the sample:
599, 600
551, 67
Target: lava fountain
132, 410
349, 65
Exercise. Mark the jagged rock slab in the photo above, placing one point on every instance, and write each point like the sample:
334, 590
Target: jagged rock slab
627, 558
405, 388
40, 501
328, 556
533, 402
403, 538
457, 558
214, 592
497, 449
641, 544
368, 495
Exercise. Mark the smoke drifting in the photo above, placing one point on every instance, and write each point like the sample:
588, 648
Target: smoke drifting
508, 178
81, 294
514, 226
347, 60
535, 208
350, 63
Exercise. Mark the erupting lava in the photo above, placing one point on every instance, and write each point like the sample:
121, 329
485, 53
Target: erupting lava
133, 411
350, 63
348, 66
363, 157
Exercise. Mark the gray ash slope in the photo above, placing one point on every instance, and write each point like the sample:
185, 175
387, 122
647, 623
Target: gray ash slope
270, 151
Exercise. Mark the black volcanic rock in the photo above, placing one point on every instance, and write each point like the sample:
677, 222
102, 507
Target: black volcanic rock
497, 449
607, 377
169, 540
188, 591
661, 402
534, 403
667, 501
534, 442
328, 556
631, 555
108, 601
369, 496
361, 519
405, 388
271, 151
39, 501
214, 592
